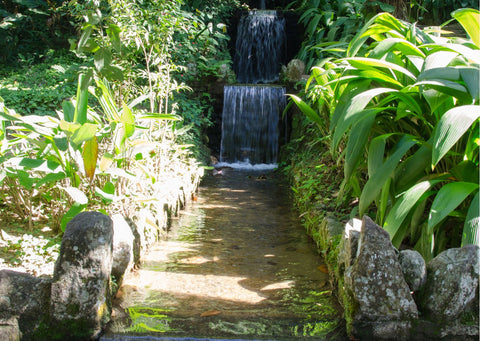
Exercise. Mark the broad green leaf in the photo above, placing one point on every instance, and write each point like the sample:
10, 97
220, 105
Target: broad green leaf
453, 124
102, 58
128, 120
383, 172
439, 59
451, 52
113, 72
471, 228
449, 88
413, 168
369, 63
471, 78
307, 110
68, 111
395, 44
167, 117
348, 110
70, 214
470, 20
448, 73
80, 115
51, 178
84, 133
378, 76
357, 140
447, 200
77, 195
404, 205
90, 155
113, 32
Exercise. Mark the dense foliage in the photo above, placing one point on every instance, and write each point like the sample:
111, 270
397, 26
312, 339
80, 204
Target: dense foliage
107, 128
401, 106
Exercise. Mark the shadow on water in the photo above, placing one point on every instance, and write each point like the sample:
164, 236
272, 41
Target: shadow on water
236, 264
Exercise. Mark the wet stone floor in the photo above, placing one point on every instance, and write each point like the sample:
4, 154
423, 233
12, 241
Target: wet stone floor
236, 265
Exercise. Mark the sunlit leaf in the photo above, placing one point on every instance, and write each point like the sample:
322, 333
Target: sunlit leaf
447, 200
77, 195
361, 63
90, 155
470, 20
471, 228
451, 128
404, 205
84, 133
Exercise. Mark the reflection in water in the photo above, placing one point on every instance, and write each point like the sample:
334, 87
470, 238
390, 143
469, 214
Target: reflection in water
236, 262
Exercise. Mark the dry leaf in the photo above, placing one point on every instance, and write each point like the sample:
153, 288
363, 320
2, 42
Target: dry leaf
210, 313
323, 268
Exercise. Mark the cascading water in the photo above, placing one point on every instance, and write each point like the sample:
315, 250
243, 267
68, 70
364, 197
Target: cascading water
260, 47
250, 119
250, 126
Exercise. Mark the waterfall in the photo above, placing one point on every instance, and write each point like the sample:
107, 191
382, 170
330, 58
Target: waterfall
250, 124
260, 47
251, 113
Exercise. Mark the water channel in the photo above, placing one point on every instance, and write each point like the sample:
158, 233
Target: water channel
236, 265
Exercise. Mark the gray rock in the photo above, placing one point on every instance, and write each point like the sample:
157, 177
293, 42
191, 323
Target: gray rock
414, 268
385, 309
23, 301
295, 70
9, 330
452, 285
80, 294
123, 246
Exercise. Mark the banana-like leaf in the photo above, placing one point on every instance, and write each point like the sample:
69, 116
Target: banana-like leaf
451, 127
471, 228
404, 205
470, 20
380, 175
448, 198
90, 155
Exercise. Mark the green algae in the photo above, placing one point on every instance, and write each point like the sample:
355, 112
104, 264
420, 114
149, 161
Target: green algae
146, 319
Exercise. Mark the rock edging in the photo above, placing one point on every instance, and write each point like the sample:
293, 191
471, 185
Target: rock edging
392, 295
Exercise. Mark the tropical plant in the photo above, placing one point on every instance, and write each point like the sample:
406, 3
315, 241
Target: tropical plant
405, 116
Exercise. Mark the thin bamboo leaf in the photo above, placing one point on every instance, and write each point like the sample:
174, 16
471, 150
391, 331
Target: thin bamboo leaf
471, 228
448, 198
453, 124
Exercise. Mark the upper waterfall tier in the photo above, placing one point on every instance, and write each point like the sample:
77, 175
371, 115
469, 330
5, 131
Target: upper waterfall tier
260, 47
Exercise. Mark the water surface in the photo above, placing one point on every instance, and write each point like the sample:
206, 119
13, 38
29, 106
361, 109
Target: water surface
237, 264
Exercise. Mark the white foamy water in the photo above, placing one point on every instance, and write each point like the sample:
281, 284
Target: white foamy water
247, 165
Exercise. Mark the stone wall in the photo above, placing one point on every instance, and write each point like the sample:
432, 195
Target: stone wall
393, 295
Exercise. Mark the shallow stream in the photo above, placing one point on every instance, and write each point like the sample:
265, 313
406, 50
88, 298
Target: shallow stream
236, 265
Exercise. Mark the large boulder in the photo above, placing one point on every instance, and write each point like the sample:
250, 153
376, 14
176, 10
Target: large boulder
450, 297
24, 299
382, 307
80, 293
